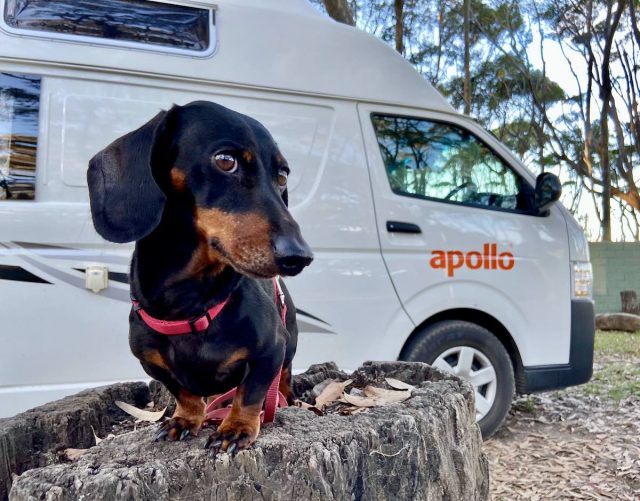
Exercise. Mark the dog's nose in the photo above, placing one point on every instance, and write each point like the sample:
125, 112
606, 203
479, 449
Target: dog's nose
291, 254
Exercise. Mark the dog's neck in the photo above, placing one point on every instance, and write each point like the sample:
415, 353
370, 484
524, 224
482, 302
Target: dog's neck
172, 274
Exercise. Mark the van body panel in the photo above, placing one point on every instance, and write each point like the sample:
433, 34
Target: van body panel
536, 315
313, 65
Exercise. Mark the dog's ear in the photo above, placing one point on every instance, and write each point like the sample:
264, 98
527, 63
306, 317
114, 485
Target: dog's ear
126, 201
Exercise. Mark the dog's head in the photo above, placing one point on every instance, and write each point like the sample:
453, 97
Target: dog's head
224, 165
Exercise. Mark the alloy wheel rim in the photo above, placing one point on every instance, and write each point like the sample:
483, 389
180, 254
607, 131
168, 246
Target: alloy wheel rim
474, 366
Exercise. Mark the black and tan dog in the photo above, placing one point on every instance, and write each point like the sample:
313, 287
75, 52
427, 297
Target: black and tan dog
202, 190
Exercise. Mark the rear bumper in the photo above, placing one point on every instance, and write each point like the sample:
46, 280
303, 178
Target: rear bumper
580, 366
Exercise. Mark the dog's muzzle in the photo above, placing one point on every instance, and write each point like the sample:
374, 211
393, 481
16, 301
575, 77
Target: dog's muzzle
291, 254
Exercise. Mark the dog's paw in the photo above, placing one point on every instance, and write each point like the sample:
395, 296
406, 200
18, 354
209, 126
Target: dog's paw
177, 428
233, 435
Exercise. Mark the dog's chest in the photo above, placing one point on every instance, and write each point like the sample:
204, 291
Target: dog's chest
209, 369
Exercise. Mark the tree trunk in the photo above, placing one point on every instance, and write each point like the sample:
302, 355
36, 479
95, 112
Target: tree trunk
427, 447
398, 6
606, 90
629, 300
339, 10
467, 57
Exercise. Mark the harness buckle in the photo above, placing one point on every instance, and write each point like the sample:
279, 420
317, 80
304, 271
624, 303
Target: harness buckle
192, 322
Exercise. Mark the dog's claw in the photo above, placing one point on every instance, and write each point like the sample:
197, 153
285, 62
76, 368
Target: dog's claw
160, 435
232, 448
184, 434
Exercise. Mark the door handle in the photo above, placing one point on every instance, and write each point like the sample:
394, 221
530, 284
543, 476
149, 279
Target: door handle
401, 227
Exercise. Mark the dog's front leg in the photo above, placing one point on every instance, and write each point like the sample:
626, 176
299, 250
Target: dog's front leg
187, 418
241, 426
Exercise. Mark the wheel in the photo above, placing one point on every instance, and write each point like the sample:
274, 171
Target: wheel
475, 354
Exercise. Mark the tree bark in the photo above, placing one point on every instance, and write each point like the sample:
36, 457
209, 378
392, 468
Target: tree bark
606, 90
340, 11
398, 7
618, 322
427, 447
629, 300
467, 57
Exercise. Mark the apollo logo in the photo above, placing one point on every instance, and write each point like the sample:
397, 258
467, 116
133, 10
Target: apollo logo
489, 259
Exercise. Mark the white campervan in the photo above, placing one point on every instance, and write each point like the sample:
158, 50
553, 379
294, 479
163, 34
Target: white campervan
432, 241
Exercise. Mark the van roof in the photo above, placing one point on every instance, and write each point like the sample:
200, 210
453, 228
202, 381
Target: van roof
285, 45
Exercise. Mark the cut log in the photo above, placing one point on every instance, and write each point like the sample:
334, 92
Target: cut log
427, 447
618, 322
629, 300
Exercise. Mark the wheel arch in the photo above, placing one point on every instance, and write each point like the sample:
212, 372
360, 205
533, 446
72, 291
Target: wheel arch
483, 319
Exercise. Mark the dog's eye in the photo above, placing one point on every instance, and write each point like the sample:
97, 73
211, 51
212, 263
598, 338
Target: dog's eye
225, 162
283, 176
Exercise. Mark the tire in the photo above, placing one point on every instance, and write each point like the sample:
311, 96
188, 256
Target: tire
466, 349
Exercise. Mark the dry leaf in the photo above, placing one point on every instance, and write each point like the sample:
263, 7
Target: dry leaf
331, 393
350, 411
309, 407
98, 439
74, 454
398, 385
376, 397
140, 414
373, 391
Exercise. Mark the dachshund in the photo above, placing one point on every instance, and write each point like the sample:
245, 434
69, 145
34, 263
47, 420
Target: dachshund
202, 190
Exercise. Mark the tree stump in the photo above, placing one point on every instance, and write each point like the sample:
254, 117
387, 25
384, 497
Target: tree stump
629, 300
427, 447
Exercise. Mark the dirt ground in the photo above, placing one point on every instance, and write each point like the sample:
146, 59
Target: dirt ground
580, 443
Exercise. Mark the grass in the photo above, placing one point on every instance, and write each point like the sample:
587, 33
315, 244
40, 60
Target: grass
616, 374
617, 344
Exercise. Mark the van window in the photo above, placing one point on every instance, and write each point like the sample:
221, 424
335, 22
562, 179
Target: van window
19, 108
436, 160
137, 21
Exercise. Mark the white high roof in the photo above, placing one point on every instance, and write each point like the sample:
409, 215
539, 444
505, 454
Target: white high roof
273, 44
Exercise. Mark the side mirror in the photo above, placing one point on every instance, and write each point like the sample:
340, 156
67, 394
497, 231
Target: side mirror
548, 190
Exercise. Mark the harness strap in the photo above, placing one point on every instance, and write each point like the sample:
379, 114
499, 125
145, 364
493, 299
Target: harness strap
216, 411
175, 327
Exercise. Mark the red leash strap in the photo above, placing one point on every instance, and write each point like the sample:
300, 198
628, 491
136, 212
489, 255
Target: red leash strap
217, 411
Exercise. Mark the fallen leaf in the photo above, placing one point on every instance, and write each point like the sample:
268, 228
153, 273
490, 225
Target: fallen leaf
140, 414
74, 454
309, 407
331, 393
98, 439
376, 397
398, 385
373, 391
350, 411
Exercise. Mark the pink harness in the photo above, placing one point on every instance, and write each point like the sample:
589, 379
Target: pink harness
218, 409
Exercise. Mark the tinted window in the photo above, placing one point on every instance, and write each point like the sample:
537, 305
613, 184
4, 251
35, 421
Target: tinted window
122, 20
19, 107
441, 161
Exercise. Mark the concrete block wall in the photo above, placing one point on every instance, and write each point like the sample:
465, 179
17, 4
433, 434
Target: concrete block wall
616, 267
